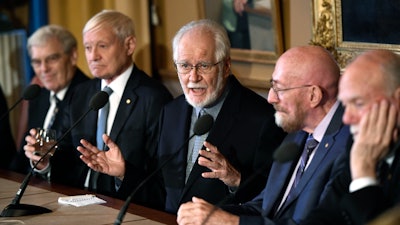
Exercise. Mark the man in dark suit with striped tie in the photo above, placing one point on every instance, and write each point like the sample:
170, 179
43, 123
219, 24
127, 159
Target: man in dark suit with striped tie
135, 104
53, 53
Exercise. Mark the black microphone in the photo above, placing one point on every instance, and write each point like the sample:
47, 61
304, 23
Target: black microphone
287, 152
202, 126
30, 92
15, 208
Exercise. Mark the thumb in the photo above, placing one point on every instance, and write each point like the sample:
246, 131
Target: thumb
197, 200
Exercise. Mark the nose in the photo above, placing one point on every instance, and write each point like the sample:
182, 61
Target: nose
350, 117
92, 55
272, 97
44, 66
193, 75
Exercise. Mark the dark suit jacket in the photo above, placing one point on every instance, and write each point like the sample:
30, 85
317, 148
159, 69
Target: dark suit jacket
244, 124
37, 111
8, 149
135, 131
362, 206
310, 189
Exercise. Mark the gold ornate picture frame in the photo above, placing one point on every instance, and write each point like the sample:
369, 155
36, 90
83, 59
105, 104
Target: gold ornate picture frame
265, 29
340, 27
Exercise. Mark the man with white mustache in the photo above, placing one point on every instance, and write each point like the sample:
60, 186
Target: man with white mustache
304, 87
239, 144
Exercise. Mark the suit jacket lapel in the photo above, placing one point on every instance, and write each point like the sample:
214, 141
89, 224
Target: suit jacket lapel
321, 152
126, 105
279, 177
394, 171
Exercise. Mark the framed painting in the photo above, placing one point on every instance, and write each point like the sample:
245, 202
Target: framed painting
254, 28
347, 28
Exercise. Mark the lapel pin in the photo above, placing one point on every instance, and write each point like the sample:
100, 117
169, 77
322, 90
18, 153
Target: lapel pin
128, 101
326, 145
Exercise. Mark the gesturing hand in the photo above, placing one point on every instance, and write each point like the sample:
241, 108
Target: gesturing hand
110, 162
219, 166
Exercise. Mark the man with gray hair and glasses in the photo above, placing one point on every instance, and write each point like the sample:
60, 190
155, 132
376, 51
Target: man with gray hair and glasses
135, 103
303, 91
239, 144
54, 54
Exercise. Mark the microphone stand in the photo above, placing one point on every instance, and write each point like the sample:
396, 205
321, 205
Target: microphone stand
122, 212
202, 126
10, 109
15, 208
29, 93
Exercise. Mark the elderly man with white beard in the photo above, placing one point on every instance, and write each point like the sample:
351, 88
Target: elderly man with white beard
304, 88
240, 143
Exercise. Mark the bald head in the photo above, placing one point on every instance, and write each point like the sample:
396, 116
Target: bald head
304, 87
375, 69
369, 78
311, 65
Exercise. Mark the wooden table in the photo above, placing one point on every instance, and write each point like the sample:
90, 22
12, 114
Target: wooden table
41, 193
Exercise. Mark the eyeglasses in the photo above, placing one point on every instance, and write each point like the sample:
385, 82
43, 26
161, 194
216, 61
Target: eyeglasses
201, 68
49, 60
277, 90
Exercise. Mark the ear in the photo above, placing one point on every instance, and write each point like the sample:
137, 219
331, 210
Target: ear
227, 67
316, 96
397, 95
74, 56
130, 43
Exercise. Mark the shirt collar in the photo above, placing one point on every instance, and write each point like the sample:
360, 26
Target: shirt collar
60, 94
118, 85
320, 130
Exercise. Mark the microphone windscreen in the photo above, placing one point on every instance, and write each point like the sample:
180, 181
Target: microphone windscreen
99, 100
31, 92
286, 152
203, 124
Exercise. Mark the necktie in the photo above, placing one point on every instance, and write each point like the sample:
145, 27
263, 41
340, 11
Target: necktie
198, 144
102, 121
309, 147
56, 101
101, 129
198, 141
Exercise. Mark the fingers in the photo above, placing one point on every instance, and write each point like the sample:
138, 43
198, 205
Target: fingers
29, 154
392, 122
30, 139
195, 212
89, 147
210, 147
211, 158
376, 129
110, 143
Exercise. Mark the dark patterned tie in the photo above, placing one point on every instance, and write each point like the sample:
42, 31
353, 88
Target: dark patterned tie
54, 113
198, 144
309, 147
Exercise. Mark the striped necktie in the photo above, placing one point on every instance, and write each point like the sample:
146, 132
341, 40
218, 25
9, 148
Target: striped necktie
55, 101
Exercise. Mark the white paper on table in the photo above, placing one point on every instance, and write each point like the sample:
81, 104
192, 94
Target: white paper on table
81, 200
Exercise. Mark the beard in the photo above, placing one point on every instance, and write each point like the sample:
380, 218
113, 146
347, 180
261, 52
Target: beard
209, 99
354, 131
290, 123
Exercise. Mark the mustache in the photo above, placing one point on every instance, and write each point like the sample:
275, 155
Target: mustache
353, 129
277, 108
192, 85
